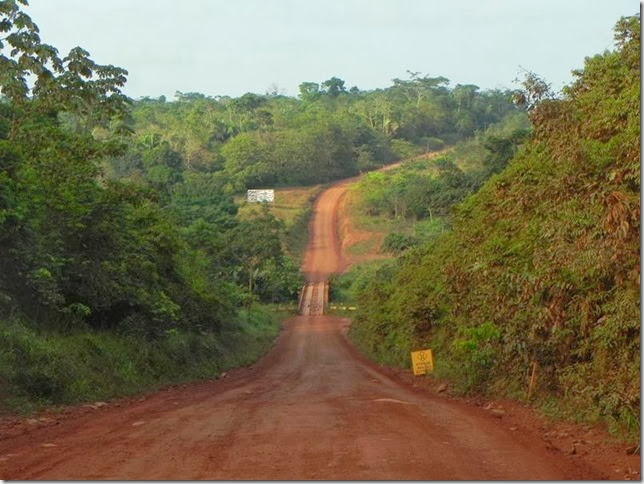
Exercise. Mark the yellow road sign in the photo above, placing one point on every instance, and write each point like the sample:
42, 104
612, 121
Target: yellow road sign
422, 361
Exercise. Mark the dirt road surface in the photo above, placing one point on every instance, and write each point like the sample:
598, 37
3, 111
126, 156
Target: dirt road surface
310, 409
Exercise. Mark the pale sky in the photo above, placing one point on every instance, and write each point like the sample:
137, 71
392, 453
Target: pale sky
229, 47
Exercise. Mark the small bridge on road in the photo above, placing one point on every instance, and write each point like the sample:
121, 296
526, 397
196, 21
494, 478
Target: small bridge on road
314, 298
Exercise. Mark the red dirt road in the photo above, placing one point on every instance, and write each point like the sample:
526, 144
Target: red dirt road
310, 409
323, 256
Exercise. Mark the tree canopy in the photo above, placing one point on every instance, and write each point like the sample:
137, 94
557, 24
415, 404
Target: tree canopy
326, 134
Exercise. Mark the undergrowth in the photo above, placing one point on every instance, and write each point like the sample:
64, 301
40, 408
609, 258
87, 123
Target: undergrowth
40, 368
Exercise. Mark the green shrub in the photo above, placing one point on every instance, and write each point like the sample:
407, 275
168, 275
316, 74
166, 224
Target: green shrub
477, 350
433, 144
396, 243
404, 149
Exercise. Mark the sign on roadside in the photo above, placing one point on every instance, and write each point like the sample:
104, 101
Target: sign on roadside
254, 196
422, 362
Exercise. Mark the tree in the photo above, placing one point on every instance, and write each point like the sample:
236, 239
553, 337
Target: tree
35, 79
418, 88
535, 89
333, 87
309, 91
248, 158
255, 242
464, 95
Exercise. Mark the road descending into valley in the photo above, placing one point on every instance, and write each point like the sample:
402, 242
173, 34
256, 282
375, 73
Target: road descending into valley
312, 408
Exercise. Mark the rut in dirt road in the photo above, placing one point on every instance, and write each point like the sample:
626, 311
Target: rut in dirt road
310, 409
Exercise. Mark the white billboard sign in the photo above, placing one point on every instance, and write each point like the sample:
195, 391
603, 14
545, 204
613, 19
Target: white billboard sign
254, 196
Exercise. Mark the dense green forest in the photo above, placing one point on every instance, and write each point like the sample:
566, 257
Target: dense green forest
540, 269
124, 260
327, 133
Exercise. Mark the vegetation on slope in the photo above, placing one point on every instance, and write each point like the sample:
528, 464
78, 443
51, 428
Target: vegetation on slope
542, 264
40, 368
391, 211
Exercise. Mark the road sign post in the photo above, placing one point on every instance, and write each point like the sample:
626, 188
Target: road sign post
255, 196
422, 362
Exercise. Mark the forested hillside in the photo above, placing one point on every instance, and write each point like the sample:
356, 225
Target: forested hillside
327, 133
540, 271
419, 195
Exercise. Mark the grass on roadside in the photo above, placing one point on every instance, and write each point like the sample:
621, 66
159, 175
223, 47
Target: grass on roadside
39, 368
